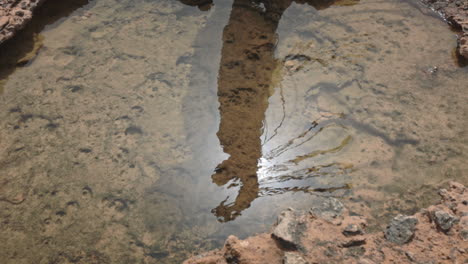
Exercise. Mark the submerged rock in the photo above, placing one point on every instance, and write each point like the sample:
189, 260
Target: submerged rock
353, 230
330, 210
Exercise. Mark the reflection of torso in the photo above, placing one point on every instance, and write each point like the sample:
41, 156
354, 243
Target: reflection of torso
244, 86
244, 81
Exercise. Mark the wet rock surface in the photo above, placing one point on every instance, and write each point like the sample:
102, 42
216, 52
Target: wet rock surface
14, 15
455, 12
326, 242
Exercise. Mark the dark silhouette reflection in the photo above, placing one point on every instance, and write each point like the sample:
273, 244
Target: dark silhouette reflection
244, 86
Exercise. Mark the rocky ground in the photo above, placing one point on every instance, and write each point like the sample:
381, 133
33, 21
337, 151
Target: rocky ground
455, 12
14, 15
329, 234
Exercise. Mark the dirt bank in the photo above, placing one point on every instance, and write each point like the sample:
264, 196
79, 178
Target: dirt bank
455, 12
14, 15
329, 234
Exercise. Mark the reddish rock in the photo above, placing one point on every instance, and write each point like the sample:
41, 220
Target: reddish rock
463, 46
14, 15
455, 12
438, 237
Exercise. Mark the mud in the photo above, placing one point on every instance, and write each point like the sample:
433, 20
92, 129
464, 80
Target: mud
437, 234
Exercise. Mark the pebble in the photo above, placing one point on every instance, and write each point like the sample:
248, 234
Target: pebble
353, 230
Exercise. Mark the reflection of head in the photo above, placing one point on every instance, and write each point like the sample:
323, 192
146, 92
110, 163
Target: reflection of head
203, 5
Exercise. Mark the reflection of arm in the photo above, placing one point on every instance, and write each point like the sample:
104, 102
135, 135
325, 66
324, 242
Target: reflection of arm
247, 193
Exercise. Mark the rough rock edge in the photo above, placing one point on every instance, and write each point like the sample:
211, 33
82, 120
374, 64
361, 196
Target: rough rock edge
455, 12
439, 235
14, 15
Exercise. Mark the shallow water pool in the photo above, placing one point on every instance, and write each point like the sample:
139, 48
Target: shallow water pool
139, 131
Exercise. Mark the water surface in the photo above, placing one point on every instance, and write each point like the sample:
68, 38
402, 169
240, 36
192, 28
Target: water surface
143, 131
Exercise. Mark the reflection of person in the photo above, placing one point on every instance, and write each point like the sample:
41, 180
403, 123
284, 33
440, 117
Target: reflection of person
244, 81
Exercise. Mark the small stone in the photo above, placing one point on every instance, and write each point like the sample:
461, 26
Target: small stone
444, 220
432, 70
401, 229
354, 242
293, 258
353, 230
289, 229
410, 255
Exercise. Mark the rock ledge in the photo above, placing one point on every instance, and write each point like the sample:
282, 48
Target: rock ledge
438, 234
455, 12
14, 15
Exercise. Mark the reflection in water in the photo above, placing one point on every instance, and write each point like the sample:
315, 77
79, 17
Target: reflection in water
244, 86
108, 135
